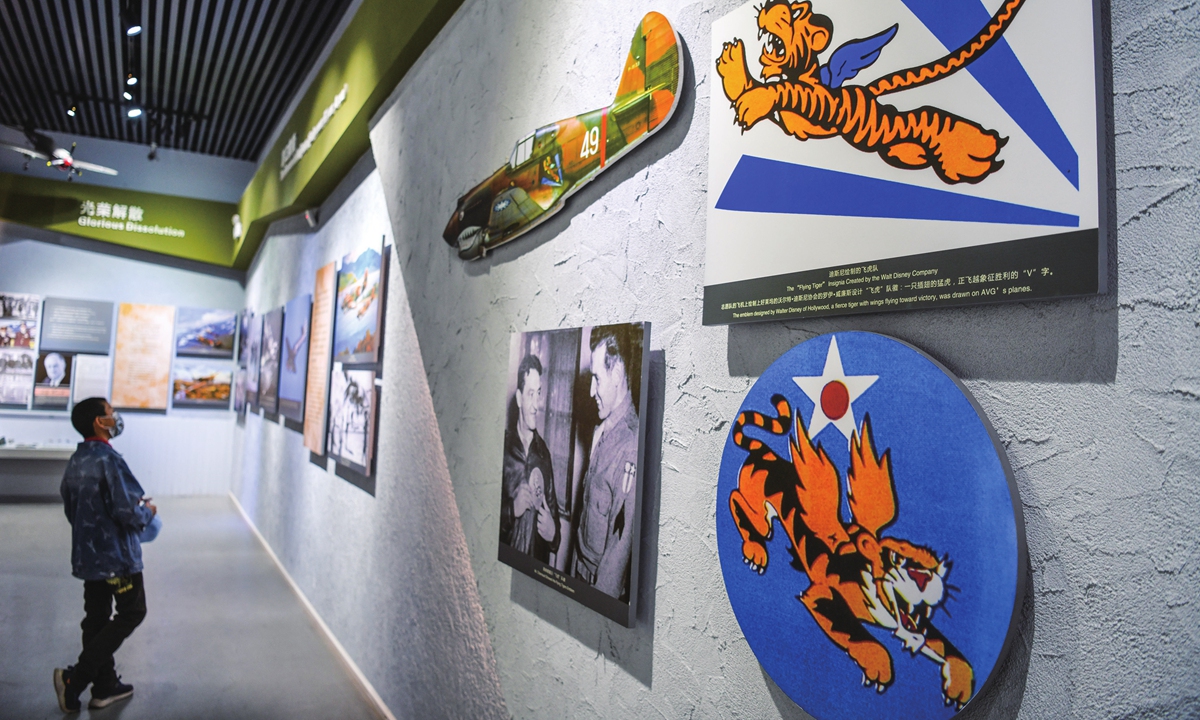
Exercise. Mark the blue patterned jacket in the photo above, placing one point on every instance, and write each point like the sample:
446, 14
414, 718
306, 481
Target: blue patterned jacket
102, 501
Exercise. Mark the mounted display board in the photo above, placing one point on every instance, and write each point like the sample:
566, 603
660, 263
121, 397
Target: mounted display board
202, 384
19, 320
142, 362
77, 325
92, 375
837, 186
359, 313
870, 531
268, 364
52, 388
205, 333
16, 377
316, 392
253, 356
293, 368
570, 501
353, 401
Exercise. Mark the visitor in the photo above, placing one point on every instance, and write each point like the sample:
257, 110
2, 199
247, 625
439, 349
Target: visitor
107, 511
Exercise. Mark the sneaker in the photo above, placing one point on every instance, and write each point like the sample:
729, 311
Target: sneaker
68, 696
109, 693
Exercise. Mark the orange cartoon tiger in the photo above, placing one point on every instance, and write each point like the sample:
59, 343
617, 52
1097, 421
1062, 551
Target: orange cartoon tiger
809, 100
857, 577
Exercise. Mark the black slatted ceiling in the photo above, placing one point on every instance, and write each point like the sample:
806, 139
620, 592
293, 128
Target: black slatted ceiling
214, 75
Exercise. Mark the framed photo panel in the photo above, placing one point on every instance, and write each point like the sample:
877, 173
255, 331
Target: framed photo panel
570, 499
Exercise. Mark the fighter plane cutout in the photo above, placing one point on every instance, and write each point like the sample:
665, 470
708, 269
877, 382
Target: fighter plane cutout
44, 148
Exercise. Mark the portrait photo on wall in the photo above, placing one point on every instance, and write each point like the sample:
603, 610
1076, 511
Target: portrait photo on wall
52, 381
359, 312
570, 500
293, 366
16, 377
204, 333
201, 384
19, 320
253, 356
268, 364
352, 406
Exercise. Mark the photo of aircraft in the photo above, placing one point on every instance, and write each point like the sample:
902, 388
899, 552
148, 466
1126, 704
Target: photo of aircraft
44, 148
554, 161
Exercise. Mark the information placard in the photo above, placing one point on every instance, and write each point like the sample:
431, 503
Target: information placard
142, 362
901, 154
70, 325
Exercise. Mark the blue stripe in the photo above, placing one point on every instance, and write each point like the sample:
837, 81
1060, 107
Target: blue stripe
1000, 73
773, 186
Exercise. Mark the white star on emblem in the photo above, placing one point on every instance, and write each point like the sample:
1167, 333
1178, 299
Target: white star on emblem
833, 393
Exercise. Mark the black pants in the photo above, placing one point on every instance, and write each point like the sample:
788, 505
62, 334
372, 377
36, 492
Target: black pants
103, 633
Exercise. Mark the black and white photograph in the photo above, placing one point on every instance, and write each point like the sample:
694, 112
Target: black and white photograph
52, 388
573, 442
352, 417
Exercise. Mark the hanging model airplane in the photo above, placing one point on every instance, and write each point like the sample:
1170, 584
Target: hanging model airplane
44, 149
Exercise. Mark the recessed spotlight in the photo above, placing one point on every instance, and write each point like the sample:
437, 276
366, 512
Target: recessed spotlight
127, 96
133, 30
131, 80
71, 111
134, 112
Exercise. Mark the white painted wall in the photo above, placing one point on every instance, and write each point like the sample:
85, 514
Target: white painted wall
1096, 399
184, 452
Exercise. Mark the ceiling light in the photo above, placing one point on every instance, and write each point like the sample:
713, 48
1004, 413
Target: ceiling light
127, 96
134, 112
134, 29
131, 80
71, 111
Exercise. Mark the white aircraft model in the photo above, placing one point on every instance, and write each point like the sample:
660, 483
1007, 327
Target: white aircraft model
61, 158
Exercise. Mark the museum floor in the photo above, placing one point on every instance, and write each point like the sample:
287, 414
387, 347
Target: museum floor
225, 637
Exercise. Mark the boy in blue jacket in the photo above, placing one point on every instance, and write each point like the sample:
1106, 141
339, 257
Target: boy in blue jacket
107, 511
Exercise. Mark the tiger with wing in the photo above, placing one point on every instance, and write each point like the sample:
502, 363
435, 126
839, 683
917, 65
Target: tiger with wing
857, 577
811, 100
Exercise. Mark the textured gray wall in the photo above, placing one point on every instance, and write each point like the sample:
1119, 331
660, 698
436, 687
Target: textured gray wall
1097, 399
389, 574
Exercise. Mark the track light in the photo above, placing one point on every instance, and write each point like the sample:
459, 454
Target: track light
153, 155
134, 112
71, 111
131, 80
127, 96
132, 17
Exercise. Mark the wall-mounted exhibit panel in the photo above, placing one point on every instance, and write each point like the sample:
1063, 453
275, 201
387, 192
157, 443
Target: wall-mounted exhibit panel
16, 377
570, 503
142, 361
201, 384
293, 370
947, 156
19, 320
316, 392
268, 363
253, 359
205, 333
92, 376
52, 388
870, 532
358, 317
70, 325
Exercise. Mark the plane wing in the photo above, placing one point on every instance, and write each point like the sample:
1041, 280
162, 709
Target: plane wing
25, 151
93, 168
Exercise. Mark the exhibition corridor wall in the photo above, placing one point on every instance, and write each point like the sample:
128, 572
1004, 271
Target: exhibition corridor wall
177, 452
1094, 398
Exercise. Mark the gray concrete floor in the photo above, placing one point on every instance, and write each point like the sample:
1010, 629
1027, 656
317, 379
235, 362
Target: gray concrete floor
224, 636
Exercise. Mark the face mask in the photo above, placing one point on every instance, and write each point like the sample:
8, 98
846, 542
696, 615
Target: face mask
118, 425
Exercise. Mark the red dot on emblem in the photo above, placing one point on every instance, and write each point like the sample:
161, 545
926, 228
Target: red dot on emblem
835, 400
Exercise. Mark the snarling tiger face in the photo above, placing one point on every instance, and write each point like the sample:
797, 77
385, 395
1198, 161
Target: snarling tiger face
902, 590
794, 36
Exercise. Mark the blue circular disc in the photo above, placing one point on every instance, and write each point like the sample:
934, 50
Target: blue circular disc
869, 531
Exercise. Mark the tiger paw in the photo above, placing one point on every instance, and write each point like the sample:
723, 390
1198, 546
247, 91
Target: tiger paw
754, 105
731, 66
957, 681
875, 662
754, 554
